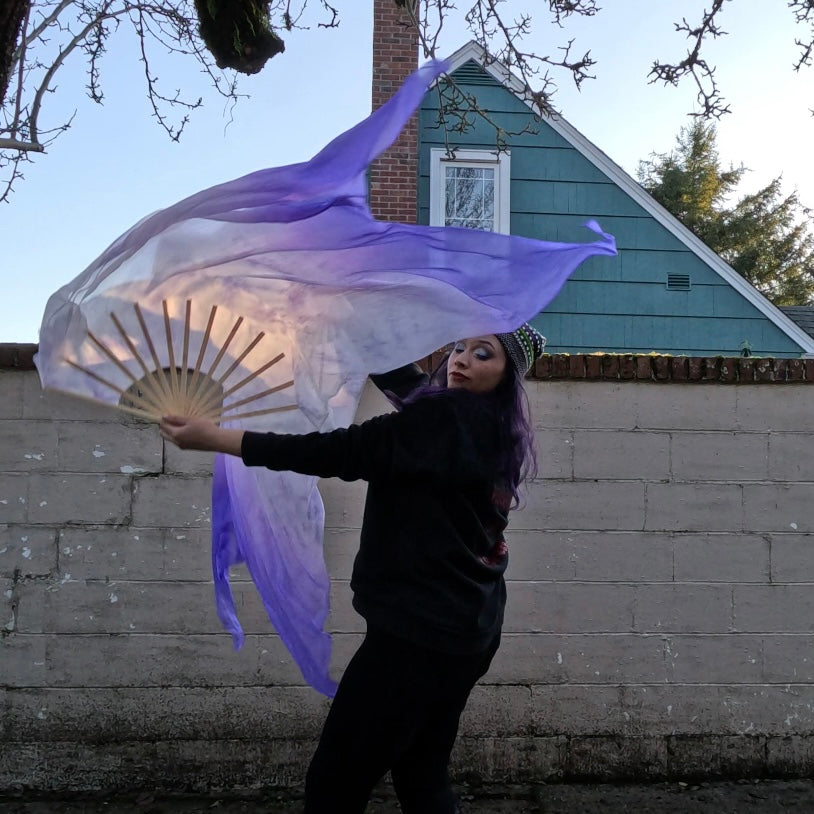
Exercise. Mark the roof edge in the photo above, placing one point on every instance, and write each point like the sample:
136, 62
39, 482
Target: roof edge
474, 51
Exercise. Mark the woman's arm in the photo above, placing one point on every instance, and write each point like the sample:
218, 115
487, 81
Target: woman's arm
201, 434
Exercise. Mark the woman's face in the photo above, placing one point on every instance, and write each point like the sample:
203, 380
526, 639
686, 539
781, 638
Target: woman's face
476, 364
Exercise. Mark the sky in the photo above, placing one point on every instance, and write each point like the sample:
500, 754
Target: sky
115, 164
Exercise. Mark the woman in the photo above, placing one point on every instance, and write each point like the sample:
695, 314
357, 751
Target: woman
443, 472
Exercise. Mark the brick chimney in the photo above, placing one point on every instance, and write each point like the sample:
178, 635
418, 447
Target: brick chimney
394, 175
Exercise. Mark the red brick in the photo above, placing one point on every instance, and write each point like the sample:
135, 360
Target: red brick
711, 369
610, 366
627, 366
663, 367
680, 368
542, 367
560, 365
593, 366
576, 366
729, 370
764, 370
746, 369
644, 367
696, 369
796, 370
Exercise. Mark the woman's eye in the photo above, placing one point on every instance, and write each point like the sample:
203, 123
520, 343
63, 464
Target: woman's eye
482, 354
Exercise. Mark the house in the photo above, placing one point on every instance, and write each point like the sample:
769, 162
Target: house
665, 292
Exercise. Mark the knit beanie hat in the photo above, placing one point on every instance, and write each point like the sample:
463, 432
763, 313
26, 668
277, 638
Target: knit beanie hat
523, 346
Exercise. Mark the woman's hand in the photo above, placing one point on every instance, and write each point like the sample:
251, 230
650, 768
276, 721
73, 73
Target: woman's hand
201, 434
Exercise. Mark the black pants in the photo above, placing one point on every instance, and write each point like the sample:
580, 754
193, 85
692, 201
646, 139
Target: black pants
397, 708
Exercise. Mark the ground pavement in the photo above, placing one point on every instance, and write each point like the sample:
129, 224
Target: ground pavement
751, 796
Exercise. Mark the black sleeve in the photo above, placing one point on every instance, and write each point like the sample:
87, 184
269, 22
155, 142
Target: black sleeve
402, 381
431, 437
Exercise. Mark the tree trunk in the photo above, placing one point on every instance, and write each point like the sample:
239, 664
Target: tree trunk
12, 14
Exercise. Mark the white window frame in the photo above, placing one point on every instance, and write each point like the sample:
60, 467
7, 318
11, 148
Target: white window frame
500, 161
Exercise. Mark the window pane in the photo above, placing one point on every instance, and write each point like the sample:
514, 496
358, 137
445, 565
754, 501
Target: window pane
470, 197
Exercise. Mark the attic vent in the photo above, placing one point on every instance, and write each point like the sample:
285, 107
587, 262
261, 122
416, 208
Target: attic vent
470, 73
678, 282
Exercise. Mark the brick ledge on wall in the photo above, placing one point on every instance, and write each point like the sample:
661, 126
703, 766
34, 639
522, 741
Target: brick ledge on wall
623, 367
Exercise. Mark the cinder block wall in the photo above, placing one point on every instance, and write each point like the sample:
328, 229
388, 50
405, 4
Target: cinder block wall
661, 606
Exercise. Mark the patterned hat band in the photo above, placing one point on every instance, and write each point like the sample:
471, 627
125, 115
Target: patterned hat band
523, 346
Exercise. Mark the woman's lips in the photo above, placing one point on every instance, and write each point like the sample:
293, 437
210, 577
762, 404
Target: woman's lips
457, 377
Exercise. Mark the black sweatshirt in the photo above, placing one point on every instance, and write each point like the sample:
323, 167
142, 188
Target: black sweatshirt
431, 558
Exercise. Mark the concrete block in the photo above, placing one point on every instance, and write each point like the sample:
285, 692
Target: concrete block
714, 659
779, 409
788, 657
773, 608
45, 404
590, 556
27, 551
733, 457
508, 760
694, 507
132, 553
11, 393
503, 713
340, 548
614, 758
70, 607
73, 498
172, 501
111, 715
685, 407
721, 558
616, 455
13, 498
792, 557
594, 405
94, 446
576, 710
591, 659
8, 606
344, 502
788, 456
161, 660
684, 608
701, 756
581, 505
789, 756
27, 446
22, 658
555, 453
162, 767
576, 607
777, 507
187, 461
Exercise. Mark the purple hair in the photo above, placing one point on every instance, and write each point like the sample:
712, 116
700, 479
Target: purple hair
518, 459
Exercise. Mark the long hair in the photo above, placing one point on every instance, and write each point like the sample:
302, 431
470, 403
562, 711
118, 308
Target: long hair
517, 459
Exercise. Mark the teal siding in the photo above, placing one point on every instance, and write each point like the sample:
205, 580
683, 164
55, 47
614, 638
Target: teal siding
619, 304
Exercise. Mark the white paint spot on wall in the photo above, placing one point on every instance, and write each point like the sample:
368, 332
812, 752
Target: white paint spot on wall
34, 456
793, 525
114, 554
7, 594
3, 549
669, 709
66, 578
43, 503
43, 714
97, 453
26, 552
67, 550
559, 658
4, 502
136, 537
180, 537
113, 599
131, 470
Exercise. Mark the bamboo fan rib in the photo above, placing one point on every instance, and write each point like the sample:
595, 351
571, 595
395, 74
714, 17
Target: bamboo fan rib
176, 389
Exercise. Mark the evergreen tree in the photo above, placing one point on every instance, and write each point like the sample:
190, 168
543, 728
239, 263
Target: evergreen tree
765, 236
